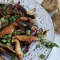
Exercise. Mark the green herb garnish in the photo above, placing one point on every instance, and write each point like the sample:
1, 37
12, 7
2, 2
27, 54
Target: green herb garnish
7, 36
8, 44
51, 45
13, 18
13, 57
16, 33
42, 56
38, 46
48, 44
9, 41
28, 32
10, 35
4, 41
24, 52
22, 23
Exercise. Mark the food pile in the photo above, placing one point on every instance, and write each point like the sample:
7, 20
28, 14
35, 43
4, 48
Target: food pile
18, 30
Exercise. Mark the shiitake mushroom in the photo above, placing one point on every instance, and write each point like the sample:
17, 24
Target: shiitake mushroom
9, 9
50, 5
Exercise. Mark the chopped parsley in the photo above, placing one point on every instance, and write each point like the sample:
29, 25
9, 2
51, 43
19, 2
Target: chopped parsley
9, 41
7, 36
42, 56
38, 46
28, 32
13, 18
8, 44
4, 41
48, 44
16, 33
24, 52
13, 57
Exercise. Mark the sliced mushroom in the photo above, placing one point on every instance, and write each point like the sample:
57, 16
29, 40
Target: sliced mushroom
7, 48
23, 19
18, 50
32, 21
33, 28
2, 50
26, 38
1, 58
9, 9
8, 30
31, 12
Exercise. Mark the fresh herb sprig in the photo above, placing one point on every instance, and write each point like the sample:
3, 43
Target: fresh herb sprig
46, 43
13, 18
13, 57
42, 56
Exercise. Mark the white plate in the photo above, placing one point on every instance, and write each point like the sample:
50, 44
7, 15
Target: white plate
44, 21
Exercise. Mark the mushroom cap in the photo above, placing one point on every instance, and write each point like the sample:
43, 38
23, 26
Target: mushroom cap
50, 5
56, 21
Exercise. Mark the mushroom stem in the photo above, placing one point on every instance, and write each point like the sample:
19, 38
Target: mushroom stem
18, 50
3, 51
7, 47
25, 38
31, 12
8, 30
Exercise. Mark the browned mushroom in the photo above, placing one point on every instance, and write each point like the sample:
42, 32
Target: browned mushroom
18, 51
26, 38
23, 19
31, 12
33, 28
19, 9
8, 30
50, 5
9, 9
2, 50
43, 33
32, 21
7, 48
1, 58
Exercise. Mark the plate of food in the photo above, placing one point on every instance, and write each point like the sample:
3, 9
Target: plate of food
26, 31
